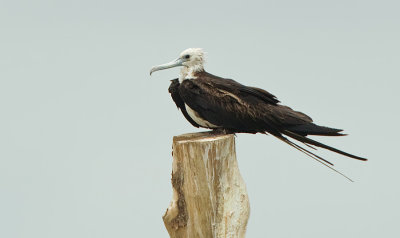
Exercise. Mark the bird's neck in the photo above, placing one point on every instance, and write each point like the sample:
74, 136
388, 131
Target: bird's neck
190, 72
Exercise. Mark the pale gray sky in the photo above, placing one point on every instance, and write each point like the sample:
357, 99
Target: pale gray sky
85, 133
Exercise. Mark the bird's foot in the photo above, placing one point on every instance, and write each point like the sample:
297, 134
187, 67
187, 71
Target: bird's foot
221, 131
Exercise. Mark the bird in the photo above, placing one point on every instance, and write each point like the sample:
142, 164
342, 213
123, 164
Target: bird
226, 106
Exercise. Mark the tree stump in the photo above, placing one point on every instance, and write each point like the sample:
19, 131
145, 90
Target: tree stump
209, 194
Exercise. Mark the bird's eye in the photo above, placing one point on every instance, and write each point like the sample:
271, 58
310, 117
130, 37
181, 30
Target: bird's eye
187, 56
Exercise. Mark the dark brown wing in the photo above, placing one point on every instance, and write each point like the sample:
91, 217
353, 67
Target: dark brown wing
174, 91
228, 104
237, 88
283, 116
239, 108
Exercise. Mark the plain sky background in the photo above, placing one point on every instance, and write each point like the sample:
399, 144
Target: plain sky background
86, 133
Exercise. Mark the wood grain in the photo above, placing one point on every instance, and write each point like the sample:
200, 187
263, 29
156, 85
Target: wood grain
209, 194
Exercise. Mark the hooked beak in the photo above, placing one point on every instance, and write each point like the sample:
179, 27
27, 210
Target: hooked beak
175, 63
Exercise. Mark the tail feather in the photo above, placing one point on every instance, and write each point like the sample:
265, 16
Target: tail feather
313, 129
306, 140
313, 156
305, 151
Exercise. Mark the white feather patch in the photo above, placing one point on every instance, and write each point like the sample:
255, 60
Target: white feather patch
195, 116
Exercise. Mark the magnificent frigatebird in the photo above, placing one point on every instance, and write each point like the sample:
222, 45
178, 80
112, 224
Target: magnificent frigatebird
225, 105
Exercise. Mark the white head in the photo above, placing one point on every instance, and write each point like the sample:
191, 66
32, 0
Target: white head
191, 59
194, 59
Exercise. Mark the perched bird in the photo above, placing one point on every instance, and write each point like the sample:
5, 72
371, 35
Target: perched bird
225, 105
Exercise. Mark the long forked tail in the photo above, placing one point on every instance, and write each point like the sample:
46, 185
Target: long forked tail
309, 141
312, 155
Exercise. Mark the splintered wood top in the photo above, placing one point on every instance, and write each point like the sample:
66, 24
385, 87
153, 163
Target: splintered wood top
200, 137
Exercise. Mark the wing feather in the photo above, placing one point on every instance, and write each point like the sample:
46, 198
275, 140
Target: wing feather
228, 104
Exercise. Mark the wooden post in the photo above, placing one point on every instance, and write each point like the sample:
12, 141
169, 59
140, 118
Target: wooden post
209, 194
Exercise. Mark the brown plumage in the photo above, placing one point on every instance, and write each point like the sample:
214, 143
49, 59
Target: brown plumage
236, 108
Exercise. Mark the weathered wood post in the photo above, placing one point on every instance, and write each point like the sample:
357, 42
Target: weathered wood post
209, 195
